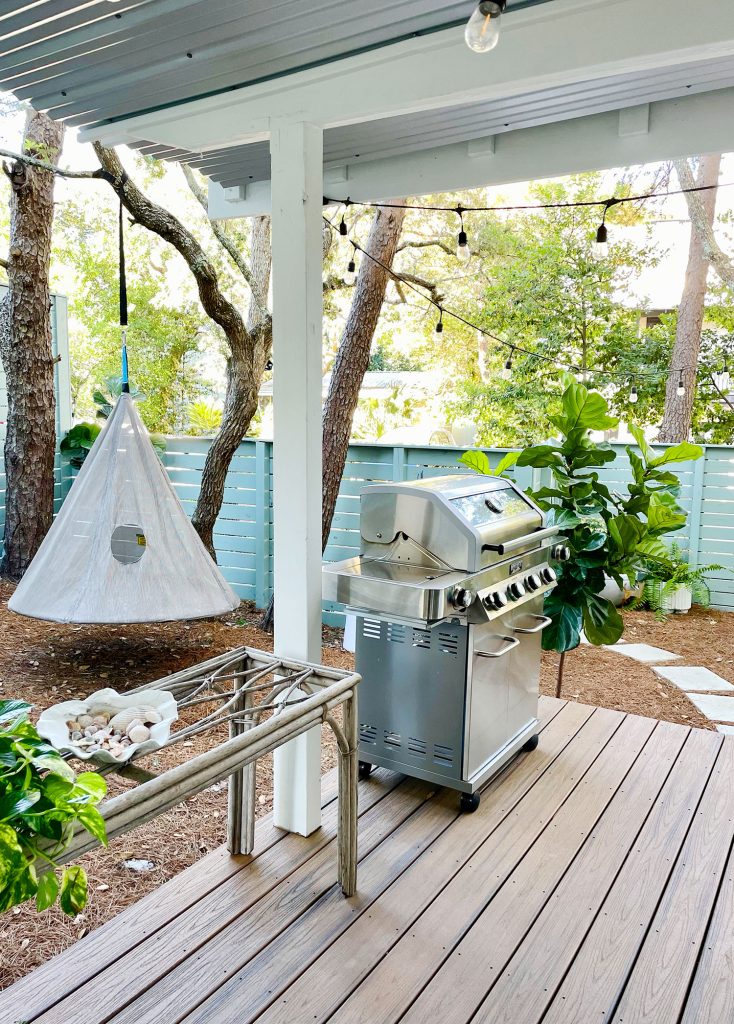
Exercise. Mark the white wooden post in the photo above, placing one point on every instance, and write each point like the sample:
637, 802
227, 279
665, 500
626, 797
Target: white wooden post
297, 196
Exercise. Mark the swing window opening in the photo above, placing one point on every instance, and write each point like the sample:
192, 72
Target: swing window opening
128, 544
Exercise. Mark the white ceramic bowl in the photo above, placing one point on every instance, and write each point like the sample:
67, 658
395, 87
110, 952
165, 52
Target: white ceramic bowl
52, 723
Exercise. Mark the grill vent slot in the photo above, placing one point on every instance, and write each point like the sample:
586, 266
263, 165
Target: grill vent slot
422, 638
372, 629
448, 643
368, 734
395, 633
417, 747
393, 739
443, 755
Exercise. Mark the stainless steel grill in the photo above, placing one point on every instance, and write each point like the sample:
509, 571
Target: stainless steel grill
448, 594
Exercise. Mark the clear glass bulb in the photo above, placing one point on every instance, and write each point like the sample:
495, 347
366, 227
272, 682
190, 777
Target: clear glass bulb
722, 379
600, 249
350, 274
482, 31
506, 372
680, 391
633, 395
463, 252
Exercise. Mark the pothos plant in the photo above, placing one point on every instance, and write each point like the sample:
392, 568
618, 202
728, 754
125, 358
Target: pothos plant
608, 533
41, 800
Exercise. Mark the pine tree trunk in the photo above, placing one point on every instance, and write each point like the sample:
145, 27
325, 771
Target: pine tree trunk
678, 413
351, 363
353, 356
26, 352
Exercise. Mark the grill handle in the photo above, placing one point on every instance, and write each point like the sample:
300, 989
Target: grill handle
543, 621
521, 542
511, 642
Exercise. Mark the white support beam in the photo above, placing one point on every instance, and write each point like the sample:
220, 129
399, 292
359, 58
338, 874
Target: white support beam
297, 184
687, 126
558, 44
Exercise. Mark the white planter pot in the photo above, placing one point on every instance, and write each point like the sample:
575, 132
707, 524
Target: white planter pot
616, 595
677, 600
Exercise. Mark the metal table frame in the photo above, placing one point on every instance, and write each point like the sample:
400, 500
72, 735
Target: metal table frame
295, 696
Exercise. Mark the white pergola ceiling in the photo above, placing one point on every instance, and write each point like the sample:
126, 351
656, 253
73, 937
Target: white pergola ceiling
88, 61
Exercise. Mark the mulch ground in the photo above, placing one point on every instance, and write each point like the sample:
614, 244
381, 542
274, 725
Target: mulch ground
45, 663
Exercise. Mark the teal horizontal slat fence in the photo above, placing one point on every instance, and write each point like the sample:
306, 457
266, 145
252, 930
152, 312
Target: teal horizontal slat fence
244, 532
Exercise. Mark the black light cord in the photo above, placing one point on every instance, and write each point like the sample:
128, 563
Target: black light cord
575, 204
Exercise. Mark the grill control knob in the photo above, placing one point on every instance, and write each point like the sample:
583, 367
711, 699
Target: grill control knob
461, 598
533, 581
495, 600
515, 591
561, 553
549, 575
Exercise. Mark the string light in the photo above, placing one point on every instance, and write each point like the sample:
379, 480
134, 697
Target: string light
439, 325
601, 247
350, 275
513, 348
633, 394
722, 378
482, 31
681, 389
463, 252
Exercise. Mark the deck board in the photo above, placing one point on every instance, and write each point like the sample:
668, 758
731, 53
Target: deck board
595, 882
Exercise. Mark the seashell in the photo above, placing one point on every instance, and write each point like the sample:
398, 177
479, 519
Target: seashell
76, 735
139, 714
153, 717
100, 719
72, 724
133, 725
90, 730
138, 734
117, 751
101, 734
85, 720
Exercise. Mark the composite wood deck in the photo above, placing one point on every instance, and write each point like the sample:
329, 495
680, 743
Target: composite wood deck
594, 884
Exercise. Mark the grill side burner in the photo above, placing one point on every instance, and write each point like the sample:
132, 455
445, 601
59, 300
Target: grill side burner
448, 594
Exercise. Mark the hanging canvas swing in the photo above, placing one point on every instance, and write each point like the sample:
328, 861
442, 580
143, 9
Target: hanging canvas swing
122, 549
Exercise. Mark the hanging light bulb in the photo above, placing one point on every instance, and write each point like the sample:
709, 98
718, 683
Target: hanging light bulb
722, 378
439, 325
350, 275
343, 229
633, 394
507, 368
600, 246
482, 31
681, 389
463, 252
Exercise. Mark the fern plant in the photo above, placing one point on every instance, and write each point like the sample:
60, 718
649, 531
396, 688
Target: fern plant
672, 573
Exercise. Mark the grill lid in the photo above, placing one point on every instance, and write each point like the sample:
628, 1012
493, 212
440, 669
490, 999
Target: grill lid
459, 521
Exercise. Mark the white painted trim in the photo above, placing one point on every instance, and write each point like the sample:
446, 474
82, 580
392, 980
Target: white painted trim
551, 45
682, 127
297, 158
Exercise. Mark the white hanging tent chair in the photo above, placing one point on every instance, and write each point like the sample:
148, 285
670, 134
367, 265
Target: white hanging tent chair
122, 548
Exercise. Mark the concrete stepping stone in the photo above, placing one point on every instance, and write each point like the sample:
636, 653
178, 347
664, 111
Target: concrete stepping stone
645, 653
717, 708
728, 730
692, 679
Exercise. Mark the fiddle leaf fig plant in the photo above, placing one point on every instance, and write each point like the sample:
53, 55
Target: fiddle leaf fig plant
608, 534
41, 800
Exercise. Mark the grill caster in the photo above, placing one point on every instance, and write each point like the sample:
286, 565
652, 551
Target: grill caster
365, 769
468, 802
531, 744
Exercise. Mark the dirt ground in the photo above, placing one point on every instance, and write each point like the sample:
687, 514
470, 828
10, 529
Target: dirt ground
45, 663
